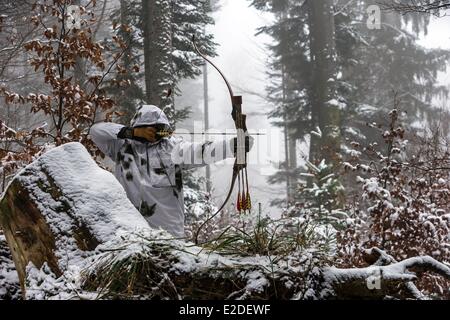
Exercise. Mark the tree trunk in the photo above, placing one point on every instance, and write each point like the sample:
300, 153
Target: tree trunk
79, 73
290, 142
157, 17
206, 115
163, 270
290, 145
325, 111
56, 211
129, 93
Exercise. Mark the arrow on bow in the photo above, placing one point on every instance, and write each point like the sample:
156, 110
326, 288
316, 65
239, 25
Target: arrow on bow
243, 202
166, 134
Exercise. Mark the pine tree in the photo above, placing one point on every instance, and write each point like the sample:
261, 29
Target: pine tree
370, 66
380, 64
190, 17
159, 73
323, 196
159, 34
325, 111
130, 93
290, 88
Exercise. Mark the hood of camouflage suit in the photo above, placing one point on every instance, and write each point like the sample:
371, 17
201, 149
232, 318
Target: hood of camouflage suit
148, 115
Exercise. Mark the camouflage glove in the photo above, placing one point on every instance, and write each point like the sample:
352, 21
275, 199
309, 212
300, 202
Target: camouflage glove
147, 134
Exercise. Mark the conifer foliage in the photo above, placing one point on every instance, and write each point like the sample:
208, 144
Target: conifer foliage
161, 41
370, 64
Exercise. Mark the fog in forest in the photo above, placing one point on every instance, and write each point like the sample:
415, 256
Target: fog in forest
243, 56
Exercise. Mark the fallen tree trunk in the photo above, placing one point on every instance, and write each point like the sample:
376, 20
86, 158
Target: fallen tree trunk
380, 282
147, 266
60, 208
63, 215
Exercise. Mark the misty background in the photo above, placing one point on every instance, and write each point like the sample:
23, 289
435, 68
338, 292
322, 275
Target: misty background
244, 58
250, 58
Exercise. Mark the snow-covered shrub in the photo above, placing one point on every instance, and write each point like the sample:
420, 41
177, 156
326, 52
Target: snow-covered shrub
320, 204
405, 199
323, 195
248, 234
198, 209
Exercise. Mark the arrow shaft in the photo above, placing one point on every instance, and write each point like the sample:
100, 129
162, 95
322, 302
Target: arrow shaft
221, 134
209, 134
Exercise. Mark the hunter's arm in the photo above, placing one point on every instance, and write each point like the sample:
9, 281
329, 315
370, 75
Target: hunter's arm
194, 155
105, 137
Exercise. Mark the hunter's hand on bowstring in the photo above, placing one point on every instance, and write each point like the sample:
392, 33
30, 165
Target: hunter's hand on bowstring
147, 133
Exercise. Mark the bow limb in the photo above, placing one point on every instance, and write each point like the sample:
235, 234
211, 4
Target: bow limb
201, 54
230, 192
240, 164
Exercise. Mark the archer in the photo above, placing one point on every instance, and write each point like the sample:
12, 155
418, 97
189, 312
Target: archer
149, 164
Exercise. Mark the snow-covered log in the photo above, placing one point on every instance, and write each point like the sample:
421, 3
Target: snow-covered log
60, 208
380, 281
150, 265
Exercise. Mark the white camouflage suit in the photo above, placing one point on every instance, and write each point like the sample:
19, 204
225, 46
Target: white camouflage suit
151, 172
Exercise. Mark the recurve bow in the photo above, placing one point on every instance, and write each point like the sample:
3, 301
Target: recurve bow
240, 164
